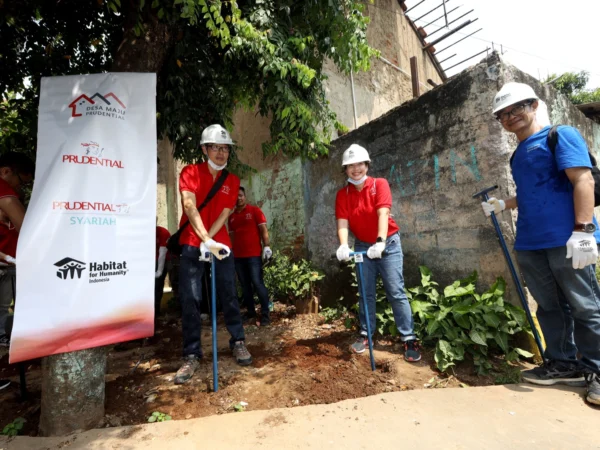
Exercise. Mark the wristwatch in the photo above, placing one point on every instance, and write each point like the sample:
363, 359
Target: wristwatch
379, 239
585, 227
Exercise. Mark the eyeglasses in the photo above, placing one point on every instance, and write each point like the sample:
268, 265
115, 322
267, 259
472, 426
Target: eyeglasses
215, 149
503, 117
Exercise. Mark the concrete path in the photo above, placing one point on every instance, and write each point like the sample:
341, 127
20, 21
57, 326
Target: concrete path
499, 417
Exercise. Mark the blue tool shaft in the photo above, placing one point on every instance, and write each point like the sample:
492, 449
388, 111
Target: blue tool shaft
363, 298
213, 303
516, 280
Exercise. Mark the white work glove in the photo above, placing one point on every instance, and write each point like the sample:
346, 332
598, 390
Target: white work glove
267, 253
10, 259
493, 205
215, 248
204, 253
582, 248
376, 250
157, 274
343, 253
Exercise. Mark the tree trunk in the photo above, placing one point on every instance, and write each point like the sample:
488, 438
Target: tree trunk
73, 383
72, 391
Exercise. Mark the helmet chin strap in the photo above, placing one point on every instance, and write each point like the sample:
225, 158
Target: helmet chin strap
215, 167
357, 182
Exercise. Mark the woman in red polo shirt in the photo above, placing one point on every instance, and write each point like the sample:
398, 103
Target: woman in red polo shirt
363, 207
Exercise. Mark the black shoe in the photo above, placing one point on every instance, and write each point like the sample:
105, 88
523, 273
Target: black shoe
265, 321
593, 388
248, 317
412, 351
553, 372
4, 384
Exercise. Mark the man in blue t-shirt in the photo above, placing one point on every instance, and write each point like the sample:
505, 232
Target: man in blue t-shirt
557, 237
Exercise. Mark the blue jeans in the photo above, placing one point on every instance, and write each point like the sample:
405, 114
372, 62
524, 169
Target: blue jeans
390, 268
568, 306
250, 274
191, 271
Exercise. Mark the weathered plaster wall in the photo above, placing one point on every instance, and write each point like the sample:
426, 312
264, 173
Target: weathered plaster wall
278, 186
435, 152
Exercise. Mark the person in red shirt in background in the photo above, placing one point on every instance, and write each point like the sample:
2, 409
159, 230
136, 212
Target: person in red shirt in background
162, 236
247, 227
16, 173
363, 206
207, 233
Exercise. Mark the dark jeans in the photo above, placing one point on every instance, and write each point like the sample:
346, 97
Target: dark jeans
250, 274
191, 272
7, 294
159, 287
568, 305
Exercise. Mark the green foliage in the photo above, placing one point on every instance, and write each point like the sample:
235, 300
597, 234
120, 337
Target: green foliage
573, 85
340, 311
460, 321
291, 280
158, 417
211, 57
13, 428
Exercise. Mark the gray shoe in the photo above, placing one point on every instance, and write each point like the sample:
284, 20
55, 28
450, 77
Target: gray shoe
360, 345
593, 388
551, 373
241, 353
186, 371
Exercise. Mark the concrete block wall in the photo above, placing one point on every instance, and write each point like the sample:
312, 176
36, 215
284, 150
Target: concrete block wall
436, 151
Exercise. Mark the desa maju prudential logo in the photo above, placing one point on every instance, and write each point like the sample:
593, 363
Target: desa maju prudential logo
108, 105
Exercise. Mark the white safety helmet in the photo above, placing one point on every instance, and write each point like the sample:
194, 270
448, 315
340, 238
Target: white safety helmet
215, 134
355, 154
512, 93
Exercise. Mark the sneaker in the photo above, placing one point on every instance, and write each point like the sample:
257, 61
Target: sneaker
593, 388
248, 317
360, 345
412, 351
4, 384
186, 371
4, 341
551, 373
241, 353
265, 322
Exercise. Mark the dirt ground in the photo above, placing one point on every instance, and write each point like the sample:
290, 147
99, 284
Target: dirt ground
298, 360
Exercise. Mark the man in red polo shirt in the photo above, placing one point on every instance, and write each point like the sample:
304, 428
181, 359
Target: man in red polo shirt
247, 227
162, 236
16, 172
207, 233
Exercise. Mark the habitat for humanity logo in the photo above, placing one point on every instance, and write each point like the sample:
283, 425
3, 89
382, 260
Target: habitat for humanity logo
98, 272
91, 213
92, 155
68, 268
107, 105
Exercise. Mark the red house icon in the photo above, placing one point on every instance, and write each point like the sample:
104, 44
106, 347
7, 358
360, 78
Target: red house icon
80, 101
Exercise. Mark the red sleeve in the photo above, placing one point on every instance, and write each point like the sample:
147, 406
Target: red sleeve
259, 216
384, 194
163, 236
234, 184
341, 205
6, 190
188, 180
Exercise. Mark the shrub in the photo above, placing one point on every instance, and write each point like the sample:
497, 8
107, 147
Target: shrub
291, 280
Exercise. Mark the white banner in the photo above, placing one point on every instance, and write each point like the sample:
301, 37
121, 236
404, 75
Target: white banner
86, 252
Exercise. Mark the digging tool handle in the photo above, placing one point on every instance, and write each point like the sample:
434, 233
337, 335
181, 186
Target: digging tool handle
484, 195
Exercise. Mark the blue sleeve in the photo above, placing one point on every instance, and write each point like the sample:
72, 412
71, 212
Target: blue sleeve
571, 150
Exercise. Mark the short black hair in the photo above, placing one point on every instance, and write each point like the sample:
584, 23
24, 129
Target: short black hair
19, 163
243, 189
